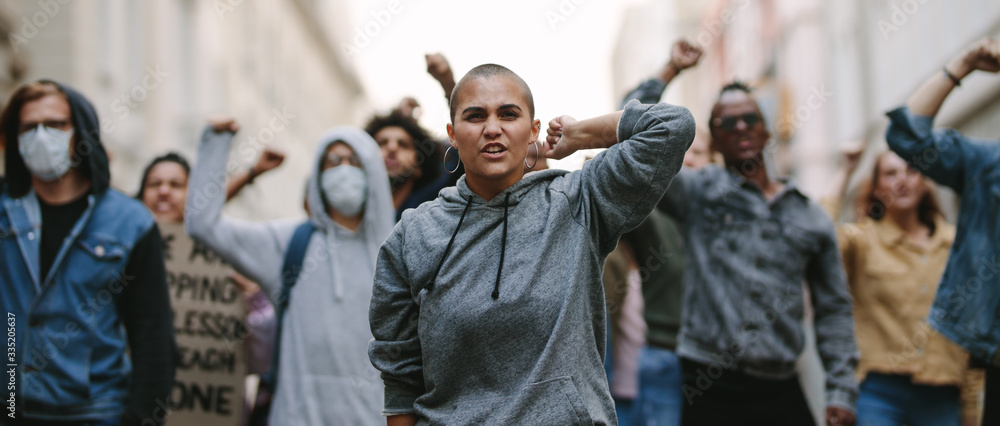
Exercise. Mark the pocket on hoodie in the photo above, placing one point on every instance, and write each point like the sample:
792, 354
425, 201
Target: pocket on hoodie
554, 401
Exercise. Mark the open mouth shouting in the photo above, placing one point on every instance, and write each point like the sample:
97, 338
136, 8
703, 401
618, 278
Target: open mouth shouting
494, 150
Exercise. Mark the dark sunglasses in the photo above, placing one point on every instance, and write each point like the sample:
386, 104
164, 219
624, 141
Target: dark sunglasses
729, 122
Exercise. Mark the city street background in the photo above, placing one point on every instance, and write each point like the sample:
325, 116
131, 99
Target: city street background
825, 71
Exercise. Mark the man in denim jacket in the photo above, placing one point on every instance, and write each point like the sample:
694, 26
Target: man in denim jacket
967, 306
82, 282
751, 242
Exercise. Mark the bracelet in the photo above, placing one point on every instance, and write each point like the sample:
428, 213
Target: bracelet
958, 83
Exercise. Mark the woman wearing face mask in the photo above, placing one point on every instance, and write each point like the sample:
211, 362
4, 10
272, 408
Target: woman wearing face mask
488, 304
323, 372
894, 256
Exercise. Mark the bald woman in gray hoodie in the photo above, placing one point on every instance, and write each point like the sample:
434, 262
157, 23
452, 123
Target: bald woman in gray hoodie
476, 319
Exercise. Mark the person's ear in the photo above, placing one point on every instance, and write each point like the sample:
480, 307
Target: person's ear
536, 129
451, 135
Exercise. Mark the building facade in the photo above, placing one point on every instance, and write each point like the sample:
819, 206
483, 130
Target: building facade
156, 71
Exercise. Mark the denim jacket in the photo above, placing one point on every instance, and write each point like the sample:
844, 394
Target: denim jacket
747, 260
69, 339
967, 306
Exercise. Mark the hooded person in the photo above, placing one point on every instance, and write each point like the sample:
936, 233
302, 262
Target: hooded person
323, 371
83, 279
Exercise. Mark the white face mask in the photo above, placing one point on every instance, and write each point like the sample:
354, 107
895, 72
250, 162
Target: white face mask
45, 152
345, 189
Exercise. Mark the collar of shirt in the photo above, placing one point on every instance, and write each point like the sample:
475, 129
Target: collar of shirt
891, 234
790, 186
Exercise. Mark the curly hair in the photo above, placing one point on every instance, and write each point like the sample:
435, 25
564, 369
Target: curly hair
428, 154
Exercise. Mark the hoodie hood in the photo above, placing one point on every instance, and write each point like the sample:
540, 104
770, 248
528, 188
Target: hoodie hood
89, 157
379, 213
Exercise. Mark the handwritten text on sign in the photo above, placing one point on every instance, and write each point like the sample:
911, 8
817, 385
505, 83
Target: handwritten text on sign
209, 322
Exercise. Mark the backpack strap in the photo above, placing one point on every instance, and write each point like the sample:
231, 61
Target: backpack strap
291, 268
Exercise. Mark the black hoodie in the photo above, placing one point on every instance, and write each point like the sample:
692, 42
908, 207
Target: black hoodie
89, 157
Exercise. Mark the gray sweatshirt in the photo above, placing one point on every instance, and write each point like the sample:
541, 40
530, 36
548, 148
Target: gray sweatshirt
508, 325
324, 375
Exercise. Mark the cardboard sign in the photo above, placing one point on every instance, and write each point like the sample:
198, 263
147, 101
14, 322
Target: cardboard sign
210, 325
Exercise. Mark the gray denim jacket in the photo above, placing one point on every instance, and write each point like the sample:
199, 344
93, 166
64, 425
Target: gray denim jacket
744, 294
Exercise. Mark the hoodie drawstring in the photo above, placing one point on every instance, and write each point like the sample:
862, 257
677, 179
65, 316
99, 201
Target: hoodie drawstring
503, 248
450, 242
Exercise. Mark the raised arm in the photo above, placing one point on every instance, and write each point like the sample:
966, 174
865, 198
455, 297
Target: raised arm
394, 318
683, 55
982, 55
837, 188
268, 160
945, 155
617, 189
253, 249
438, 67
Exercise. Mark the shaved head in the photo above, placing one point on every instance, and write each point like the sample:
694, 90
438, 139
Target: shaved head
486, 71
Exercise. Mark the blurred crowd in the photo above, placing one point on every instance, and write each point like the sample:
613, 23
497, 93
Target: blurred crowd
363, 312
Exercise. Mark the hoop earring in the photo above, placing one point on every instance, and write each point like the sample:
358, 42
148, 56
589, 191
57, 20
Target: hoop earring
445, 161
535, 144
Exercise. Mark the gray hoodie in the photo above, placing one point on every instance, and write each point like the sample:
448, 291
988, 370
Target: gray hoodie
324, 374
507, 325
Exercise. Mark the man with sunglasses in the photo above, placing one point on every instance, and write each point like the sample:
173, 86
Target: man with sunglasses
751, 243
